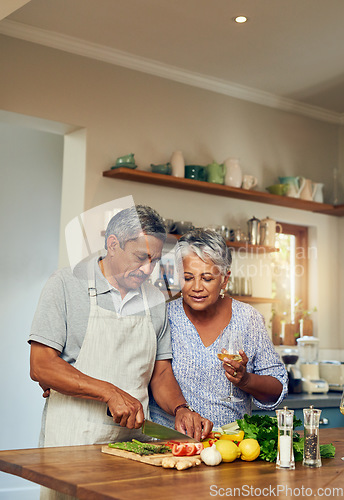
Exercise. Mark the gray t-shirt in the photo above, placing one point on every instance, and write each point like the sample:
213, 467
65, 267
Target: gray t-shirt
63, 309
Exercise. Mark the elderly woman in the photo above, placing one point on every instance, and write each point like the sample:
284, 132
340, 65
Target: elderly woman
197, 320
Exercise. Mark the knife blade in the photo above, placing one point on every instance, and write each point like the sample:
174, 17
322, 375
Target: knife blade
158, 431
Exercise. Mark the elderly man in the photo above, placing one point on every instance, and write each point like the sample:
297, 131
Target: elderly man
101, 336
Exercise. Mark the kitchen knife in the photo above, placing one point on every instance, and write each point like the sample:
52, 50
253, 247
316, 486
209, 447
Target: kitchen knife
165, 433
158, 431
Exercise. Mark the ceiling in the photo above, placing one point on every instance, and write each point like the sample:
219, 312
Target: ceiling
287, 55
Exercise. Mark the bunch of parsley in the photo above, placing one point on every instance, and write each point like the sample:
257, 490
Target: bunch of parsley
265, 430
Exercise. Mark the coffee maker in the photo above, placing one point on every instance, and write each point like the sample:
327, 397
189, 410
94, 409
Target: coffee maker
290, 358
309, 365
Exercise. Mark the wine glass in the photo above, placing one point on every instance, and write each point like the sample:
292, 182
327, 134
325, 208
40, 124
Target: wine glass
229, 345
341, 408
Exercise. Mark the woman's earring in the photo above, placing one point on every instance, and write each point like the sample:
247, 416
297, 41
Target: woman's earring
222, 293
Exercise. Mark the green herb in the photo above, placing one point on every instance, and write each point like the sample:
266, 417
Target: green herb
327, 450
265, 430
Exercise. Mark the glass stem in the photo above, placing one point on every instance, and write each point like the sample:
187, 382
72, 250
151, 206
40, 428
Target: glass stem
230, 390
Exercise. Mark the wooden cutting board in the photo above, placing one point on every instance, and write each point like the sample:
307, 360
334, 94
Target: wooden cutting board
155, 459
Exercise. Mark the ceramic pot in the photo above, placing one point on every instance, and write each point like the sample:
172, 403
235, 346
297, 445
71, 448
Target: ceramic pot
307, 191
318, 195
177, 164
268, 232
233, 175
295, 185
216, 173
249, 181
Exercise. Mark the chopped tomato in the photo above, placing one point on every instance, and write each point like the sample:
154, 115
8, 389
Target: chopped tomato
187, 449
178, 449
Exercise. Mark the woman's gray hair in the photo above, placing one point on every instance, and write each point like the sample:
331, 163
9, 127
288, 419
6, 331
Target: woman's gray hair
127, 224
206, 244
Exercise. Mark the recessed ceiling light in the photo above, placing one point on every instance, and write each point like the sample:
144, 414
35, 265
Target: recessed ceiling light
240, 19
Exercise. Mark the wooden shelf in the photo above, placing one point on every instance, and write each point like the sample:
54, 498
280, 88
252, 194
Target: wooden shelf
235, 245
221, 190
246, 247
254, 300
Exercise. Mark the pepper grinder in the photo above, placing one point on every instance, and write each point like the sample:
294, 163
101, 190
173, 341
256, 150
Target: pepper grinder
311, 450
285, 455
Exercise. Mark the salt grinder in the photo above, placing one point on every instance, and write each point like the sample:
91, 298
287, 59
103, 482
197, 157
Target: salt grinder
285, 455
311, 450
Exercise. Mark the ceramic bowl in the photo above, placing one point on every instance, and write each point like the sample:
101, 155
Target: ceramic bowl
165, 168
280, 189
124, 160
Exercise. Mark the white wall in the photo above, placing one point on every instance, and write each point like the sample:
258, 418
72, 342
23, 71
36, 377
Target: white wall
30, 197
124, 111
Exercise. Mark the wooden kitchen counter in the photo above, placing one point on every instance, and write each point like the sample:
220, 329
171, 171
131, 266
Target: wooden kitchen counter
85, 472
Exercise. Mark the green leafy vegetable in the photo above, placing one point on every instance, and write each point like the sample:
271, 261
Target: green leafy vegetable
327, 450
265, 430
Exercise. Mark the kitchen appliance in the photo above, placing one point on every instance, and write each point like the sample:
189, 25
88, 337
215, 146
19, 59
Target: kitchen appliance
309, 366
253, 226
331, 371
290, 358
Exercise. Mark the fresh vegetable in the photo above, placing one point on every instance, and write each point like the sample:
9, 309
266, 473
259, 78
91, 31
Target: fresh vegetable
211, 456
249, 449
178, 463
237, 438
186, 449
265, 430
140, 448
229, 450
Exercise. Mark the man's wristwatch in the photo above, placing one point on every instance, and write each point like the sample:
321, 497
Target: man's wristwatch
184, 405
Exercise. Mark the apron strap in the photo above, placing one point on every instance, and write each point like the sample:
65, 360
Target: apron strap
145, 302
91, 274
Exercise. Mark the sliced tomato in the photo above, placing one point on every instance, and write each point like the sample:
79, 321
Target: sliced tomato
190, 449
187, 449
178, 449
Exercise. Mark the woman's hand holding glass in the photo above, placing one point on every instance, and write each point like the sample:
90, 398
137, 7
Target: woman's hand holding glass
234, 361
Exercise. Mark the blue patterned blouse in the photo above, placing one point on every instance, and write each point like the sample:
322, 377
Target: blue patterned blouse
200, 374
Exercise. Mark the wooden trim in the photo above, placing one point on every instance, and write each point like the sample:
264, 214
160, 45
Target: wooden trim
301, 259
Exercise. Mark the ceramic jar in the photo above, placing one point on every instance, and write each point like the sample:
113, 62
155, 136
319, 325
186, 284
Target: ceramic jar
233, 176
177, 164
267, 233
318, 195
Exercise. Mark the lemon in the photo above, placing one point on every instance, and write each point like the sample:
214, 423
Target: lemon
249, 449
229, 450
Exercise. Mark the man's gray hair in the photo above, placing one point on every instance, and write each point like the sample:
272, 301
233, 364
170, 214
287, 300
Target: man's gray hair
206, 244
127, 224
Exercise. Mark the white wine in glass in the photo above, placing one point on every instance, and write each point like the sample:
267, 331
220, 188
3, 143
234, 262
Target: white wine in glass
229, 345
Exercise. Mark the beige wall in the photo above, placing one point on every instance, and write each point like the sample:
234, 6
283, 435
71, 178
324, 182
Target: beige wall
124, 111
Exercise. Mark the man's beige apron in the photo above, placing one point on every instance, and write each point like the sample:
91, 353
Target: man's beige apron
119, 350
